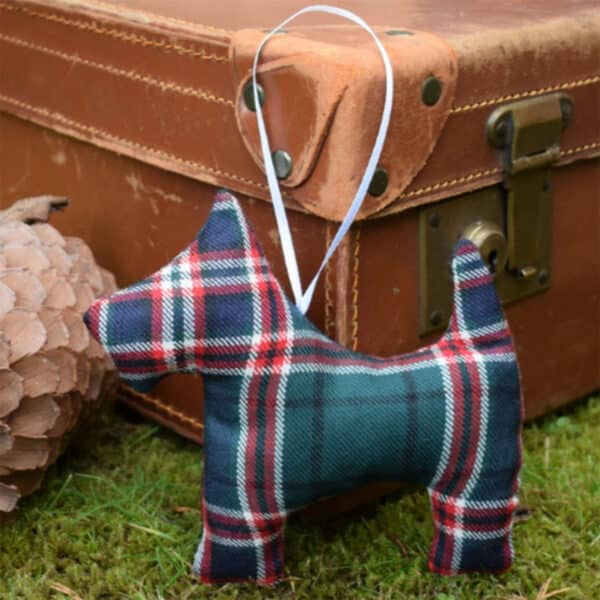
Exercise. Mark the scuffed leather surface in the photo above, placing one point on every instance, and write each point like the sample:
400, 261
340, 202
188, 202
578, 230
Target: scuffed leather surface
153, 81
323, 105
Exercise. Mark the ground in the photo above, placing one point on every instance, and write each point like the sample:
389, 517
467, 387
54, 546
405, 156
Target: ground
118, 518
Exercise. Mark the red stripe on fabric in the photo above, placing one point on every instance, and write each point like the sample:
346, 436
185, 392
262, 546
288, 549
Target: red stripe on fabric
475, 417
157, 351
259, 288
226, 289
229, 254
272, 393
457, 402
474, 282
352, 361
263, 287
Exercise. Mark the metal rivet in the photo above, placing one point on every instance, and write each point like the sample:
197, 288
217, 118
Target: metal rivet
436, 317
431, 91
434, 221
282, 162
248, 95
543, 277
379, 182
399, 32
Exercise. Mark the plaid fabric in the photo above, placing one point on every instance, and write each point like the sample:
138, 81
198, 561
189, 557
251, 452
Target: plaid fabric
291, 416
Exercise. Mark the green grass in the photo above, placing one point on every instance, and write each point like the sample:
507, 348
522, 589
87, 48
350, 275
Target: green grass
109, 524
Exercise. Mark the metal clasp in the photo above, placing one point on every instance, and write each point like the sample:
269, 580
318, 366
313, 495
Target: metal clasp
527, 136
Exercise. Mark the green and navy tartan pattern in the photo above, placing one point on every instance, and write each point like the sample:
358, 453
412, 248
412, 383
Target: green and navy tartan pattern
291, 416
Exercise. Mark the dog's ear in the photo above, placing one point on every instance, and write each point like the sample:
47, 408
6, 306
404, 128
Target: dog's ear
477, 307
227, 229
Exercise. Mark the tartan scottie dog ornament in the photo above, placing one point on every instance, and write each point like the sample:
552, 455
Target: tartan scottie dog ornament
284, 403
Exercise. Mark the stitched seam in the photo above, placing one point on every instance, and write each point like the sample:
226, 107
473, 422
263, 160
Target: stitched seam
196, 423
109, 136
581, 148
166, 86
164, 18
484, 173
355, 290
132, 38
328, 285
420, 191
538, 92
450, 182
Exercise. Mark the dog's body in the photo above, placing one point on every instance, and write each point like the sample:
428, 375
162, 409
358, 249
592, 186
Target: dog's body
292, 416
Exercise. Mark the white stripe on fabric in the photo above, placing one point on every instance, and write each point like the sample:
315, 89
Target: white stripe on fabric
460, 320
459, 534
102, 321
237, 543
303, 300
468, 257
229, 263
483, 422
442, 363
244, 399
350, 370
476, 504
199, 554
238, 514
280, 409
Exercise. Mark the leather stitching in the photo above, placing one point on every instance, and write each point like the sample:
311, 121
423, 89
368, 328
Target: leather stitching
450, 182
160, 18
581, 148
218, 172
165, 86
355, 289
109, 136
132, 38
484, 173
538, 92
173, 412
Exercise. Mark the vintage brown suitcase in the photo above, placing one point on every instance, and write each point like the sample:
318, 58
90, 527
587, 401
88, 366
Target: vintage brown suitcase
138, 109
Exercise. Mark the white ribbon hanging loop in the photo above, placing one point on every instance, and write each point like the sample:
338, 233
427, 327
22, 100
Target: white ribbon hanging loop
303, 299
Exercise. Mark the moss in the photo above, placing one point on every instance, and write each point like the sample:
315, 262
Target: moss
118, 519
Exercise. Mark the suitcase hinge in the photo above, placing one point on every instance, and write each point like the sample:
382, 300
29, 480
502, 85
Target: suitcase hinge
512, 224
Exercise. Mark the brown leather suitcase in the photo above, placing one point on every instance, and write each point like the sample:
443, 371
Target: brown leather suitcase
138, 109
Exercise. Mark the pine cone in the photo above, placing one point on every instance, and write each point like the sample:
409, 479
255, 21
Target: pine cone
52, 372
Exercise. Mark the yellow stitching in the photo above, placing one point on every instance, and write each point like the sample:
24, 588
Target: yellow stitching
328, 285
159, 153
582, 148
133, 38
218, 172
163, 18
165, 86
553, 88
444, 184
196, 423
485, 173
355, 290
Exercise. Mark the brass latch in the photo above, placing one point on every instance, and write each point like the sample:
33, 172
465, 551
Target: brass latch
512, 224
